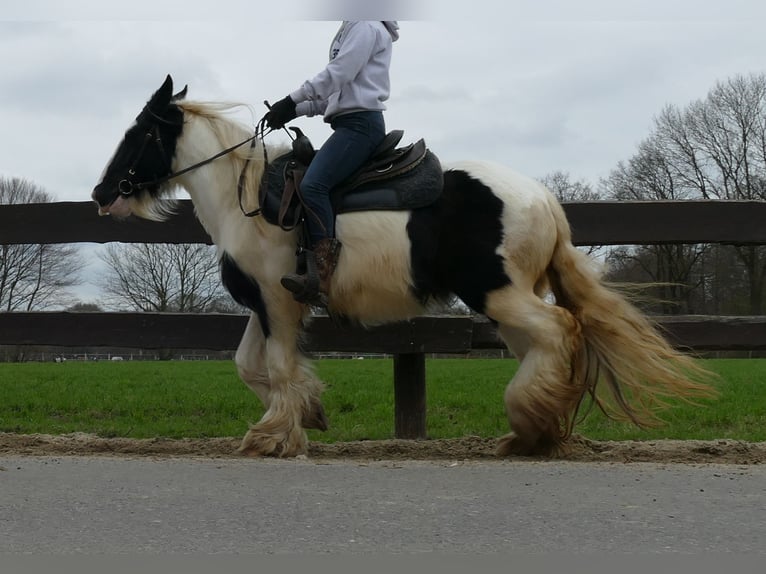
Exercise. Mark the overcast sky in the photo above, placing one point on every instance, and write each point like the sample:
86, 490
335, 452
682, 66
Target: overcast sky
539, 85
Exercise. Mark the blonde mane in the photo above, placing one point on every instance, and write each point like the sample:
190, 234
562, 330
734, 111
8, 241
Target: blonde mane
229, 132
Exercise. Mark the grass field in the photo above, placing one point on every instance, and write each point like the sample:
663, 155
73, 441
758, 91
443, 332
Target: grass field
207, 399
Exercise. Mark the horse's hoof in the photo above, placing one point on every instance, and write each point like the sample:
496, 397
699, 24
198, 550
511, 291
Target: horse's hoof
256, 443
513, 445
315, 418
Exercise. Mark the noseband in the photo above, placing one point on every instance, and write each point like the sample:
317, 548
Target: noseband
128, 187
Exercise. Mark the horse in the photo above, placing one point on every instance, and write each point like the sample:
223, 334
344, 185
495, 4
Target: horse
497, 240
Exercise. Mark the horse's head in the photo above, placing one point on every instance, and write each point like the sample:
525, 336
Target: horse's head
133, 178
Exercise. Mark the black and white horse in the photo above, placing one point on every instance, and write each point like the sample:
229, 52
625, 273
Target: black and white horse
496, 239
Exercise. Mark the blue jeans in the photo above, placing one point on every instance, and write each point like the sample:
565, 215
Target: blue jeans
355, 136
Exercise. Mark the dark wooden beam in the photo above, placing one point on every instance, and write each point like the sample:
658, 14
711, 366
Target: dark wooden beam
593, 223
656, 222
410, 395
125, 330
449, 335
693, 332
223, 332
712, 333
79, 222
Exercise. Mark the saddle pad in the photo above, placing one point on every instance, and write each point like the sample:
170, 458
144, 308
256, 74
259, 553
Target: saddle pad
416, 188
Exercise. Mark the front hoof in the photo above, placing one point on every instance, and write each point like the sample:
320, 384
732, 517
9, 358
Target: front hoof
513, 445
257, 443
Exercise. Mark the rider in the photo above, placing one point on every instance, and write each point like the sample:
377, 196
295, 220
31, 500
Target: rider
349, 93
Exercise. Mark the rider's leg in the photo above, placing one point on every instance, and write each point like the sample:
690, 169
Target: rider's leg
355, 136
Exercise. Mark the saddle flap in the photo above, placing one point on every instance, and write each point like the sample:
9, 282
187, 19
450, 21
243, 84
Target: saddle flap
278, 192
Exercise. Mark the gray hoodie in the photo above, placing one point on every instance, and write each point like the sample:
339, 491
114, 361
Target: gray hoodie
356, 78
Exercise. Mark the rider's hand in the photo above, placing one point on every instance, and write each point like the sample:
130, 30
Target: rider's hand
280, 113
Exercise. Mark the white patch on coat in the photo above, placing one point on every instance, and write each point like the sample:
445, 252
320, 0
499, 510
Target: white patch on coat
373, 281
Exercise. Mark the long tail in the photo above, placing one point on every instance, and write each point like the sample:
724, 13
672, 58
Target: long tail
622, 347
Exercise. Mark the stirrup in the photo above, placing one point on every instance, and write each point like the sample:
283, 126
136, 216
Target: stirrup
305, 287
302, 292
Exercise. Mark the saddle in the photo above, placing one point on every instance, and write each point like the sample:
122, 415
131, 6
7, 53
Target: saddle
394, 178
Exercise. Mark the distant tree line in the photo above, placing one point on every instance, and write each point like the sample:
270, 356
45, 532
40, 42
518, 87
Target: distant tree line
164, 277
34, 276
713, 148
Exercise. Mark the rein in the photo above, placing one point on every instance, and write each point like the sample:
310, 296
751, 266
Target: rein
180, 172
260, 132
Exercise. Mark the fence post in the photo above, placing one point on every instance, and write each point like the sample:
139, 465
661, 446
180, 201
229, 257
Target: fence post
410, 395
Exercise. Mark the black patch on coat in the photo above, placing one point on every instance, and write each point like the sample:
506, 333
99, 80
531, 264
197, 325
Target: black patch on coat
245, 290
454, 243
147, 149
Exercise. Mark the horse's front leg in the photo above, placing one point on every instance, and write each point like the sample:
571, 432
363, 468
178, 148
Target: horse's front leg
284, 380
251, 360
253, 369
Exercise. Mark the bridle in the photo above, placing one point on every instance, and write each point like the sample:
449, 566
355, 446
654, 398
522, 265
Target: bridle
128, 187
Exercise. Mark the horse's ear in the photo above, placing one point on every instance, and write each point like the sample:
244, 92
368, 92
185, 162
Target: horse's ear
162, 97
182, 94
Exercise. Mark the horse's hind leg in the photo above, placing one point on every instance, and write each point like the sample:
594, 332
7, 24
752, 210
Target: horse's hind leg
542, 397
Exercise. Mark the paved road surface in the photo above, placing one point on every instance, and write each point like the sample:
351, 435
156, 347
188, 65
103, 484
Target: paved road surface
97, 505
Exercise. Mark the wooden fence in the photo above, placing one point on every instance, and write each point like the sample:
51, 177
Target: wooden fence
593, 223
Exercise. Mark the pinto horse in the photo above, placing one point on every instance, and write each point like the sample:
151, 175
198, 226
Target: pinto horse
496, 239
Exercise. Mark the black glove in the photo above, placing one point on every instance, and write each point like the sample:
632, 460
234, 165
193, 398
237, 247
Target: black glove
281, 113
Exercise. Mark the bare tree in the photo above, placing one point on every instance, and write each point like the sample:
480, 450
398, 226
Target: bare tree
162, 277
81, 307
716, 149
562, 186
34, 276
566, 190
674, 269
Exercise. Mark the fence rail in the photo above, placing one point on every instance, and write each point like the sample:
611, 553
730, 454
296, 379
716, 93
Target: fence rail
593, 223
455, 335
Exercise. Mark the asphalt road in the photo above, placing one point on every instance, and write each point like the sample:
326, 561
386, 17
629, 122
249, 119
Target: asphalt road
100, 505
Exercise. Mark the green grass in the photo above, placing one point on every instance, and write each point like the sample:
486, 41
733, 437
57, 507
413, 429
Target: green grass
206, 399
738, 413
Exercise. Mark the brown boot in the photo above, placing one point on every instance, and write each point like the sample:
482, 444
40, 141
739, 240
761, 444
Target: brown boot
314, 285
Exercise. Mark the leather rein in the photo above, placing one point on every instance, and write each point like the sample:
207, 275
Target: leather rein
260, 133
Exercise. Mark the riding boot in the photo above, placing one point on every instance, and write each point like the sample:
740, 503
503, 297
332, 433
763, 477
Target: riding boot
313, 286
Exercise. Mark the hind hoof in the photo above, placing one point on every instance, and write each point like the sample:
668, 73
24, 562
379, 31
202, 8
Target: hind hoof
316, 418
